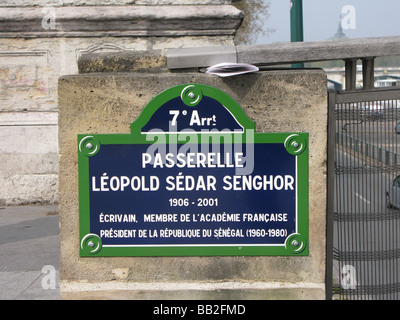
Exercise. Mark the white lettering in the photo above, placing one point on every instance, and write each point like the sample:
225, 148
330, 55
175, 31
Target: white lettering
193, 160
115, 183
265, 182
189, 183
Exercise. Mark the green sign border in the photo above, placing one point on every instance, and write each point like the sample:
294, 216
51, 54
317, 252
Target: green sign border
295, 143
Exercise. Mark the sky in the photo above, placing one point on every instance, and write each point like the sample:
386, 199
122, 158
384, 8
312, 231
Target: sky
321, 18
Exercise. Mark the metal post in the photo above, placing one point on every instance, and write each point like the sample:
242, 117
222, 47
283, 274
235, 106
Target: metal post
350, 74
296, 25
330, 195
368, 73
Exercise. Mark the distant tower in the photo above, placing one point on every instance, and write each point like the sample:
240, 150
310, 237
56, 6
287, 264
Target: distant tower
340, 34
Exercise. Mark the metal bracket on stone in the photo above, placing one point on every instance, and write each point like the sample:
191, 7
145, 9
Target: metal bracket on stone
200, 57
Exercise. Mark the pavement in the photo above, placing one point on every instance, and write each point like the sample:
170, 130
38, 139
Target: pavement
29, 253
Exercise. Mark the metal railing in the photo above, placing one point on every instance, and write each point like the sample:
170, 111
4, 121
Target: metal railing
381, 154
363, 243
349, 50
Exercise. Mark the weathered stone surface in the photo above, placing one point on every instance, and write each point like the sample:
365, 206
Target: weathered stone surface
38, 45
137, 61
136, 20
281, 53
29, 162
278, 101
41, 3
235, 293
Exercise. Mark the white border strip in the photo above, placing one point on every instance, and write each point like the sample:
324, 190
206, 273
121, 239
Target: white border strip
194, 245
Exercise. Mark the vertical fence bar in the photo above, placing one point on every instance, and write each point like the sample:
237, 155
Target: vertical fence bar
330, 194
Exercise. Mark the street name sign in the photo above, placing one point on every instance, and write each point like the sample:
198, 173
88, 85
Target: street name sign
193, 178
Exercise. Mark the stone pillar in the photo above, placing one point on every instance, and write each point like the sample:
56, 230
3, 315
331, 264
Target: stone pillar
106, 103
42, 40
